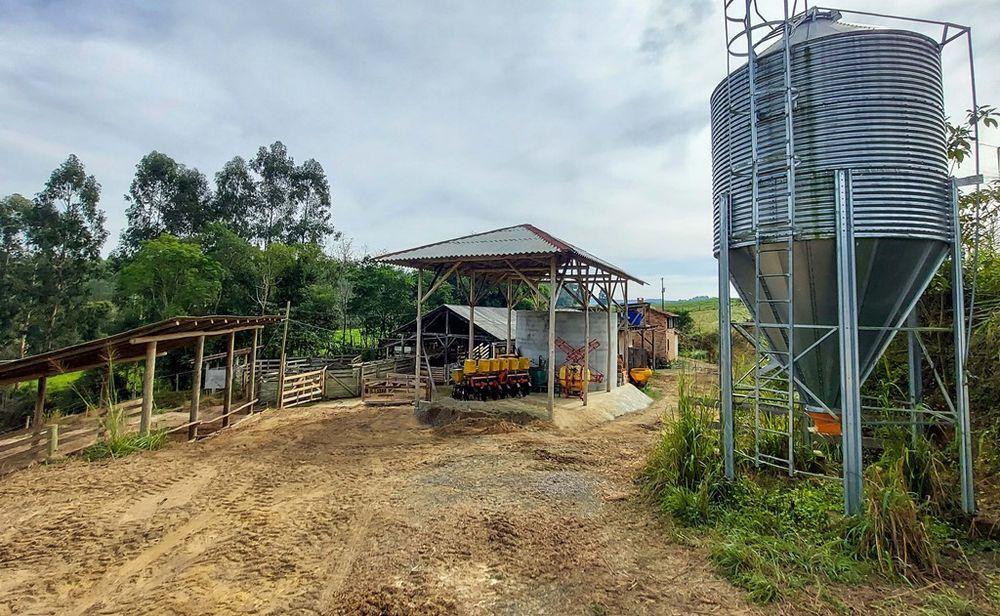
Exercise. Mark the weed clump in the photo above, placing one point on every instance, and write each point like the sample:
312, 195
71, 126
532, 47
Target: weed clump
117, 443
683, 471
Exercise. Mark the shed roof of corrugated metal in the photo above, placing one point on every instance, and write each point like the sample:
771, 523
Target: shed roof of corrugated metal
493, 320
517, 241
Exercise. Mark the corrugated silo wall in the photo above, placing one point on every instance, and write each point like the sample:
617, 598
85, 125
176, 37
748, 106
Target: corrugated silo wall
533, 338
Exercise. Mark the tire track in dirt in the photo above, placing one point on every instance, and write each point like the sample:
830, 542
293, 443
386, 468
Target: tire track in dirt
111, 583
345, 561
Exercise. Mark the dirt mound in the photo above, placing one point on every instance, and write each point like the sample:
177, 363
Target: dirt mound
387, 600
454, 421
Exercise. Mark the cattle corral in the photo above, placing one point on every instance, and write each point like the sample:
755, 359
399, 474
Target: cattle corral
340, 508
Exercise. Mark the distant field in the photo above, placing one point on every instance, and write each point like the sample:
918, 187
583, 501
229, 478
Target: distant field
55, 384
705, 311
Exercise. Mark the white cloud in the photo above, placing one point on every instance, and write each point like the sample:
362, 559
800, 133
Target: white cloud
589, 119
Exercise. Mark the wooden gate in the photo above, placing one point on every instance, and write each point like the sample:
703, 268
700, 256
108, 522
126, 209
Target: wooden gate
301, 388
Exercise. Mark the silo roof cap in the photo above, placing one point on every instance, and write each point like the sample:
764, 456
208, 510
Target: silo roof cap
815, 24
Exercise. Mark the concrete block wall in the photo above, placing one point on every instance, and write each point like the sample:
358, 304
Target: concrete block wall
533, 338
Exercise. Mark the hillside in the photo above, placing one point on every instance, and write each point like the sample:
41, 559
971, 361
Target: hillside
705, 311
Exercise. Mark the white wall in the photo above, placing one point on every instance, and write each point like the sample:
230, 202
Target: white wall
533, 332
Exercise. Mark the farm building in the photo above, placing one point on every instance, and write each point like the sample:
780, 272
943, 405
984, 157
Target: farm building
446, 333
652, 336
522, 260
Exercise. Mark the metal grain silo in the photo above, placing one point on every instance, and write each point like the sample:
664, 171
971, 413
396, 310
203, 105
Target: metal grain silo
833, 210
869, 101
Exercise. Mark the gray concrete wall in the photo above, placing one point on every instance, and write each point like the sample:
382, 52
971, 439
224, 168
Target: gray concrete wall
533, 332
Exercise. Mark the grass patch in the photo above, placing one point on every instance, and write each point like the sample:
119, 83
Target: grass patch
117, 443
122, 445
773, 536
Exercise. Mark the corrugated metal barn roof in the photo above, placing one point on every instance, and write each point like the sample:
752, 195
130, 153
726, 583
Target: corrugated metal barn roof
126, 346
517, 241
491, 319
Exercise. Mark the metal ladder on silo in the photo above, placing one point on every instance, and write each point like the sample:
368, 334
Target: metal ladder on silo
773, 238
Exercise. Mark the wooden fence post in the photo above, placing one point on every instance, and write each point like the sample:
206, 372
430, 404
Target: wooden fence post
284, 359
36, 419
199, 354
252, 384
53, 441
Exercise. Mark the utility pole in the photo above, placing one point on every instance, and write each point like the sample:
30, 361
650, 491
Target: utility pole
281, 365
663, 293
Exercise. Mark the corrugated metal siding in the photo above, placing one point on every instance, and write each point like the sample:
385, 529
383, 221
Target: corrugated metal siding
519, 240
869, 101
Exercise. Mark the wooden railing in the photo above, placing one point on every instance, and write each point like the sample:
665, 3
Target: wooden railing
20, 449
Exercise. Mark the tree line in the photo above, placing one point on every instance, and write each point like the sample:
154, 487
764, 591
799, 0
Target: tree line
260, 235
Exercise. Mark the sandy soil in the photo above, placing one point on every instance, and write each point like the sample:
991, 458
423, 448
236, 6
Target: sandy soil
343, 509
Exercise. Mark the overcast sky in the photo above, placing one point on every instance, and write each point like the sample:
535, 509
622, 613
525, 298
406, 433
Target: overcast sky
432, 119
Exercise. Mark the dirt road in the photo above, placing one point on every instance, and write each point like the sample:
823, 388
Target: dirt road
343, 509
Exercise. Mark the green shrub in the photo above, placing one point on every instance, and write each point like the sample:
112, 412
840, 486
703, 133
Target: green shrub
892, 530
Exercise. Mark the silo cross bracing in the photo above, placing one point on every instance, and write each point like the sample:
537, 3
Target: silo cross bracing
866, 100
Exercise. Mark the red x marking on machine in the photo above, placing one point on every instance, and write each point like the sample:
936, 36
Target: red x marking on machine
574, 355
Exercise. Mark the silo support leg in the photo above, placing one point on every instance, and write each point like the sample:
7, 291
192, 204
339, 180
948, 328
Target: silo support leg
725, 343
915, 370
962, 424
850, 371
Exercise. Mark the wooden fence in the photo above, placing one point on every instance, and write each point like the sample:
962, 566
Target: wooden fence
267, 369
303, 387
76, 432
394, 388
341, 381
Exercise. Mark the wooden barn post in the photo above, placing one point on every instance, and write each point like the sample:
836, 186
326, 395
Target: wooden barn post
553, 293
199, 359
610, 373
419, 342
227, 403
472, 312
586, 341
510, 297
628, 333
147, 389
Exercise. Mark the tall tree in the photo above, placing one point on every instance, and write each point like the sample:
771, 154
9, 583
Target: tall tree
275, 170
311, 193
66, 231
236, 197
164, 197
169, 277
15, 273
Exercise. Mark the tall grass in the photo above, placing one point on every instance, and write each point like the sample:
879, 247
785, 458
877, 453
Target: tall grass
117, 442
772, 535
682, 472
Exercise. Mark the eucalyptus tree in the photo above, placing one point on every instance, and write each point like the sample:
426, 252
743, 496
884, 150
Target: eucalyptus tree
164, 197
65, 233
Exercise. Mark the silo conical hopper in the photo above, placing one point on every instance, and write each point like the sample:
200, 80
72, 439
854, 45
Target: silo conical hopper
866, 100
